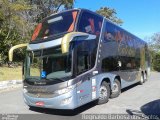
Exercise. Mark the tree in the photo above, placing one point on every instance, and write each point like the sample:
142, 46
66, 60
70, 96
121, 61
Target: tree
156, 62
44, 8
110, 14
154, 47
154, 42
14, 27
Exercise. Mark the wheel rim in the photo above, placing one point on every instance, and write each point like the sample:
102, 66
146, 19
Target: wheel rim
103, 92
115, 87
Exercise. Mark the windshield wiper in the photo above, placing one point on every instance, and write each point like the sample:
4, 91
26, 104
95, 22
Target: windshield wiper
33, 79
55, 79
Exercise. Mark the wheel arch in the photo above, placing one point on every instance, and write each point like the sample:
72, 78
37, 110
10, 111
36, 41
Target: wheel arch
106, 80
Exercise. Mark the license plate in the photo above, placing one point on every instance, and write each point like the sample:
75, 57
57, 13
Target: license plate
39, 103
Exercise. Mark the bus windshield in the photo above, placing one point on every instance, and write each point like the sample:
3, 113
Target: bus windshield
49, 64
56, 25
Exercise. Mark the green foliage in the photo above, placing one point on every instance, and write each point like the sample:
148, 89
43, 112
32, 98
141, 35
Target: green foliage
18, 18
43, 8
154, 42
156, 62
154, 46
110, 14
13, 26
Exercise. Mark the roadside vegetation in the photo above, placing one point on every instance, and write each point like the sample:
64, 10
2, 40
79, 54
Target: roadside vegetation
14, 72
7, 73
154, 47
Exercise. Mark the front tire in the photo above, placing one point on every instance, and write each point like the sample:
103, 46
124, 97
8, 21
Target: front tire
104, 93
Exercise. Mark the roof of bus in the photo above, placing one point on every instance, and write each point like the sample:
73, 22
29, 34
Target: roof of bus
80, 9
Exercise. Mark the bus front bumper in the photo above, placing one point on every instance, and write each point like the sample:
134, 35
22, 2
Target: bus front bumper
64, 101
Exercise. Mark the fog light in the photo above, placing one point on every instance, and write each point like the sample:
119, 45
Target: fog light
66, 101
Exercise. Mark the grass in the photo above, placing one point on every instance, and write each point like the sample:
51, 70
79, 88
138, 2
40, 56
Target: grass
10, 73
15, 73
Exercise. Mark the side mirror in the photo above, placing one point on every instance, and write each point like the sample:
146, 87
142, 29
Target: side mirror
71, 36
23, 65
10, 54
22, 68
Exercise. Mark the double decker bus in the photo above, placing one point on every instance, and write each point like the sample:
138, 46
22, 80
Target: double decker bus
78, 56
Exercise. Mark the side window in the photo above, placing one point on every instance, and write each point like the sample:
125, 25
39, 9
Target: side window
90, 23
137, 62
83, 57
128, 63
82, 62
109, 33
110, 64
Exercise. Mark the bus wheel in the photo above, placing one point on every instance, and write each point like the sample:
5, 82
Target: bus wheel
116, 89
145, 77
142, 79
104, 93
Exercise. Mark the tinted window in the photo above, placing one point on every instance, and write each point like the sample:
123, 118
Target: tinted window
55, 25
82, 57
86, 55
110, 33
90, 23
82, 61
110, 64
129, 63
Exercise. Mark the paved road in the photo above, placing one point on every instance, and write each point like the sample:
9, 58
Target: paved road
138, 100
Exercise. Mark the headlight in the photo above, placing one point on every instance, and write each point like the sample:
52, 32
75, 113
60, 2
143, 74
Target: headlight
66, 101
65, 90
25, 90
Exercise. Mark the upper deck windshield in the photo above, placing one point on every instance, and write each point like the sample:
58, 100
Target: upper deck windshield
56, 25
65, 22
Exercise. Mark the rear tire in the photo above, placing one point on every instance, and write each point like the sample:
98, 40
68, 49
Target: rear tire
142, 79
117, 90
145, 77
104, 93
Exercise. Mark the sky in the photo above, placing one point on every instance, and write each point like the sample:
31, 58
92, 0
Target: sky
140, 17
